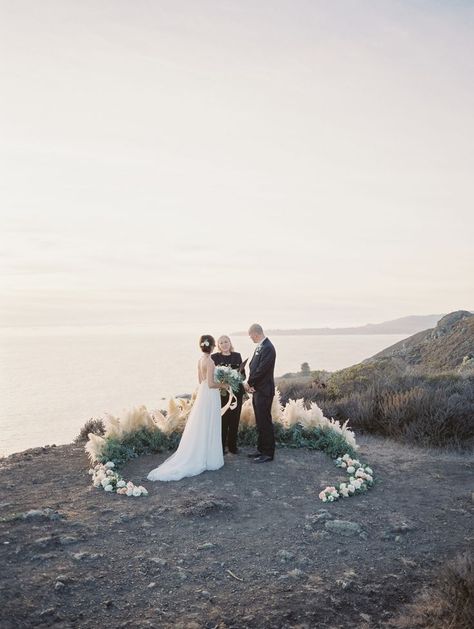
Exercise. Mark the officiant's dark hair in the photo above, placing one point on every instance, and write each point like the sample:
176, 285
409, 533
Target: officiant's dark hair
207, 343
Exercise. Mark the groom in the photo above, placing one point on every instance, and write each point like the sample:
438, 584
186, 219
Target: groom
261, 384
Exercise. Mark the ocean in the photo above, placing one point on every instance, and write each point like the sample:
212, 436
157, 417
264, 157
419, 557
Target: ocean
52, 380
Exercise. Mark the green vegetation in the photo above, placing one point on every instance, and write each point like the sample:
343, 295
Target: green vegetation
429, 410
140, 442
145, 441
324, 439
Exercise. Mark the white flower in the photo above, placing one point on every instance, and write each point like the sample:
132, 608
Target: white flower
343, 464
368, 470
109, 473
110, 464
351, 469
136, 491
351, 488
129, 491
108, 488
143, 490
121, 483
104, 482
346, 457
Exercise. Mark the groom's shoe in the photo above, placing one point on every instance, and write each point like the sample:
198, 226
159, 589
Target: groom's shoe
254, 455
263, 459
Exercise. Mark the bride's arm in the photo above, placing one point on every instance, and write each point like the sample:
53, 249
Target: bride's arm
199, 374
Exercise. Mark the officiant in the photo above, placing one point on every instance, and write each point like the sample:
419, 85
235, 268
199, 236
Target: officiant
230, 420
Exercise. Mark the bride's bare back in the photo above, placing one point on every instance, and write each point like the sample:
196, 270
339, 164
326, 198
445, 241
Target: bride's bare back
206, 369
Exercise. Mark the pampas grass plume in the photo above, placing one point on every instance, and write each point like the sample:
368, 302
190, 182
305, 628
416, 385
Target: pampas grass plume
94, 447
247, 415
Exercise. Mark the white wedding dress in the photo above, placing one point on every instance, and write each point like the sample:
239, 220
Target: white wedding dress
200, 447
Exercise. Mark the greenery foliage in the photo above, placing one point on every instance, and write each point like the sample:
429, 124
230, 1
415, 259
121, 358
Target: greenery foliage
149, 441
137, 443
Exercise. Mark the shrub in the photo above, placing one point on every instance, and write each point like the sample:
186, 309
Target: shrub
426, 409
449, 604
93, 425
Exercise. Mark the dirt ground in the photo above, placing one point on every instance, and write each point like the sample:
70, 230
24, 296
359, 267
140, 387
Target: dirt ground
246, 546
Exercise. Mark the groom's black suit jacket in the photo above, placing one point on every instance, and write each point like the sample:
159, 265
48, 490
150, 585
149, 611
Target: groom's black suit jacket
261, 369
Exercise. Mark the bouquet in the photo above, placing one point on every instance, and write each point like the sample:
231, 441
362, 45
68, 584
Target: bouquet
227, 375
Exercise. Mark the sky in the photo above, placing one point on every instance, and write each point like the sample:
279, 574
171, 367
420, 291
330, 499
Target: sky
200, 164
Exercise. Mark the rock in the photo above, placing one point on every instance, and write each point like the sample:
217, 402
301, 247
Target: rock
42, 514
296, 573
403, 527
64, 578
365, 617
85, 555
158, 561
323, 514
343, 527
68, 539
42, 542
152, 585
205, 546
205, 594
47, 612
285, 555
256, 493
59, 585
79, 556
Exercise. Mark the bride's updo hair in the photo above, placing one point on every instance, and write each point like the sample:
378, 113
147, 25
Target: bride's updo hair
207, 343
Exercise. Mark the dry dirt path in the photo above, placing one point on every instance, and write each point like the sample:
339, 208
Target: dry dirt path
246, 546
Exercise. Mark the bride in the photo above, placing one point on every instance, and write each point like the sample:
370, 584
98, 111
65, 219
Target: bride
200, 447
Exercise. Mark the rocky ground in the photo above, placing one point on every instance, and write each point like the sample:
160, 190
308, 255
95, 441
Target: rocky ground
246, 546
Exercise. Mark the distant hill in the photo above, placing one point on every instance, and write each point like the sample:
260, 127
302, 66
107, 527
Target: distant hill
449, 345
404, 325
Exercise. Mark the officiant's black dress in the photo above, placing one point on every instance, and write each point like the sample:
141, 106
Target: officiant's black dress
231, 418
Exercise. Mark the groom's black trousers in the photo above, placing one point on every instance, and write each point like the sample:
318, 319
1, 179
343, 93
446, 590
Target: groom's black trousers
262, 406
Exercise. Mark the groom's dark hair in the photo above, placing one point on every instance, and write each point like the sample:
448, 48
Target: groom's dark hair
207, 343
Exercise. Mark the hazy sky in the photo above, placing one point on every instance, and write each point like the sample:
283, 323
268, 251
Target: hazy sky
204, 164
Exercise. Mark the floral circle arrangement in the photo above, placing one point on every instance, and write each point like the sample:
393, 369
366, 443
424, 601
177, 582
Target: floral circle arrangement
104, 476
296, 426
361, 478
